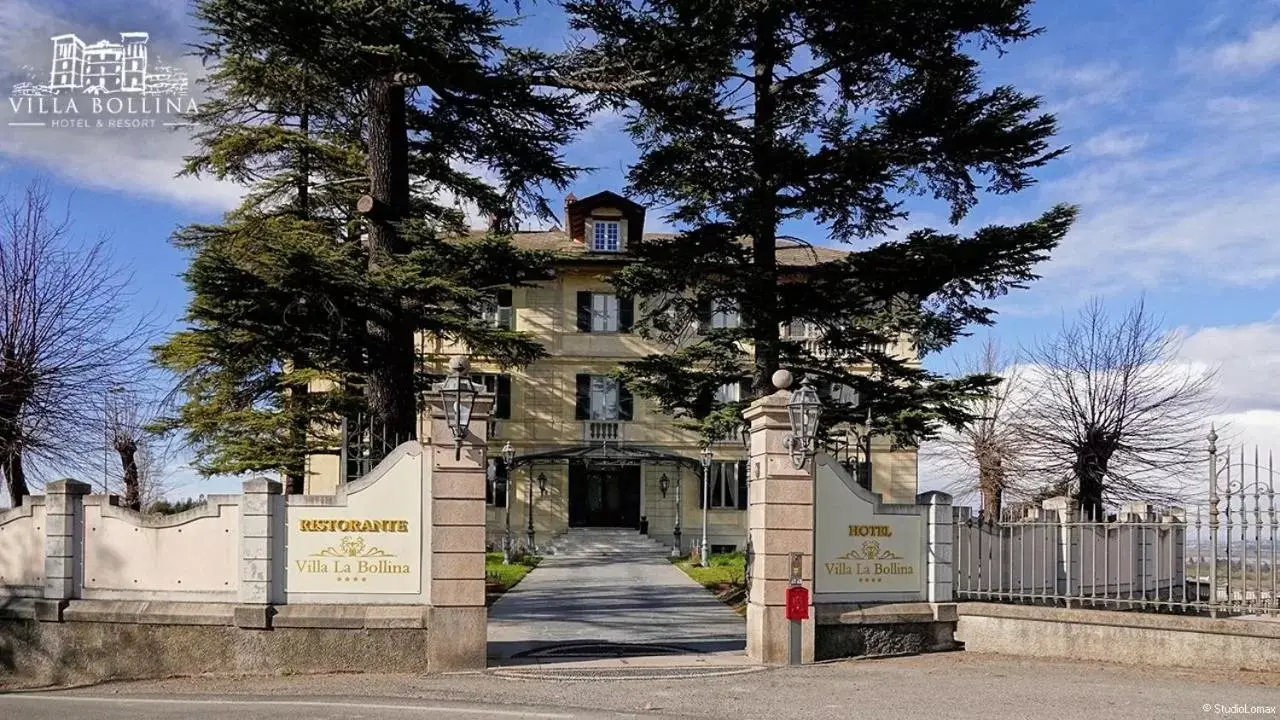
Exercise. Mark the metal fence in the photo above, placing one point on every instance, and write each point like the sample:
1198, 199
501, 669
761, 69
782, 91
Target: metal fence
365, 443
1215, 556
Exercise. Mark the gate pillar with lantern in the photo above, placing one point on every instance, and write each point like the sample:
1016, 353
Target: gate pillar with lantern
780, 524
833, 571
454, 555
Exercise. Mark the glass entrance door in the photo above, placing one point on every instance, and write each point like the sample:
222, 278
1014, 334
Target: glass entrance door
606, 496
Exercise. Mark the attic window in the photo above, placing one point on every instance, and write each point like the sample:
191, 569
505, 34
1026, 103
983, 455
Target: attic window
605, 236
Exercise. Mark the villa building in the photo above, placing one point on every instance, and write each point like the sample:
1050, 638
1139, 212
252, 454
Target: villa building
589, 452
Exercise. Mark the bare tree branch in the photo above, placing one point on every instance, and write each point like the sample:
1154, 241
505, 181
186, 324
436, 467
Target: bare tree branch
989, 456
1116, 417
65, 341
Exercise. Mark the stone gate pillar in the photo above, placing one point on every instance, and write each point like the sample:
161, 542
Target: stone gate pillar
63, 547
455, 552
780, 522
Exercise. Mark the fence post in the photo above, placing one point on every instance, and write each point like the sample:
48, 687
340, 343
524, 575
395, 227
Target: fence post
63, 547
1066, 510
962, 565
939, 555
1213, 523
258, 580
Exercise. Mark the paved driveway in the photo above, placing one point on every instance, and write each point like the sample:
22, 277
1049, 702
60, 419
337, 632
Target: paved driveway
580, 598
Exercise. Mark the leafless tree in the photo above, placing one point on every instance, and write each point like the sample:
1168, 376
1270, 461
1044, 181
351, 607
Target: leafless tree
65, 341
1115, 416
143, 455
987, 456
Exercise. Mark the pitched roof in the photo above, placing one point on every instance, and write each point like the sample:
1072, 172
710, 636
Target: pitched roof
790, 253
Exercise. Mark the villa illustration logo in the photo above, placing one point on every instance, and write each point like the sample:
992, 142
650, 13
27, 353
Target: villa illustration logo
106, 84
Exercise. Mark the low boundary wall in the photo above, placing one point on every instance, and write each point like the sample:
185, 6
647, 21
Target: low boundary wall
386, 575
883, 630
1134, 638
122, 640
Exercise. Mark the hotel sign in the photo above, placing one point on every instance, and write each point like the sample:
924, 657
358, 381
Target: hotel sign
863, 548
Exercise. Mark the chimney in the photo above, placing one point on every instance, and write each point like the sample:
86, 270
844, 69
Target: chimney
569, 201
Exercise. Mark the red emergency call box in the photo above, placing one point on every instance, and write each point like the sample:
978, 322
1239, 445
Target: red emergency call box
797, 602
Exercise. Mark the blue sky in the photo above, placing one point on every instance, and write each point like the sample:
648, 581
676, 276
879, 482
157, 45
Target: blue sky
1172, 110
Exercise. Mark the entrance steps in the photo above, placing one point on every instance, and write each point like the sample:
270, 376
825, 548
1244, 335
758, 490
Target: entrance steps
606, 542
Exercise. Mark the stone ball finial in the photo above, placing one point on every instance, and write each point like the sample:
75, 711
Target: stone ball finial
782, 379
459, 365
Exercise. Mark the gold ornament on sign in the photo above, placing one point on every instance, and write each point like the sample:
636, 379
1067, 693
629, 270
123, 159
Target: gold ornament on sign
870, 550
351, 546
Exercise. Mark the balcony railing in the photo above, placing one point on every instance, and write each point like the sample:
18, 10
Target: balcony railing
597, 431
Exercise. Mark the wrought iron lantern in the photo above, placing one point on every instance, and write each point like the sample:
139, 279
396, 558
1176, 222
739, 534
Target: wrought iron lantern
664, 484
705, 454
542, 483
803, 410
458, 396
508, 454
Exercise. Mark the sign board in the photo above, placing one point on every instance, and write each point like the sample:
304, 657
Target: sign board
864, 550
370, 544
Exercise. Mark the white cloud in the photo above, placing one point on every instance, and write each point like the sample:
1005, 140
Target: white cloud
1247, 358
1255, 53
1114, 143
1080, 87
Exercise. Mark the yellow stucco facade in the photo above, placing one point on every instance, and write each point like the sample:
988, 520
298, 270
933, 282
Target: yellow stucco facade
544, 418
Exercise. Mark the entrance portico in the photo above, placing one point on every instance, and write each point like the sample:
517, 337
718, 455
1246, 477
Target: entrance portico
613, 485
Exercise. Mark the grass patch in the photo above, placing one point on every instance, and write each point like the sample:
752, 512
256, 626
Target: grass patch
725, 575
500, 578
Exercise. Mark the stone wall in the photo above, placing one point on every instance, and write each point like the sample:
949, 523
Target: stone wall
188, 556
116, 641
256, 582
22, 550
1136, 638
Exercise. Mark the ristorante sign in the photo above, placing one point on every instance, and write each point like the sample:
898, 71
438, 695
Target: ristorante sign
372, 544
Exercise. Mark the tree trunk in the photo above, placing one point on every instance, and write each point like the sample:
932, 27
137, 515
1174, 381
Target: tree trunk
991, 487
760, 306
1090, 472
128, 451
297, 396
390, 390
16, 477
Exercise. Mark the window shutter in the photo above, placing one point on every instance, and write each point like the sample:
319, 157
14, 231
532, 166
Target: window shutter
744, 389
506, 318
626, 313
584, 312
626, 403
704, 315
742, 484
583, 410
502, 403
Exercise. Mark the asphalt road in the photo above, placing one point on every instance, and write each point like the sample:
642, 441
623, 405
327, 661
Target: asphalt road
954, 686
64, 707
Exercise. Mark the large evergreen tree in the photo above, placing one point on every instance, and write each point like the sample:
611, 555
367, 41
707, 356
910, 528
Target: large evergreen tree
297, 285
753, 115
443, 100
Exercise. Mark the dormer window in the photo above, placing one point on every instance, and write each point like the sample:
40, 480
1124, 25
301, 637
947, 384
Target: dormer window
606, 236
